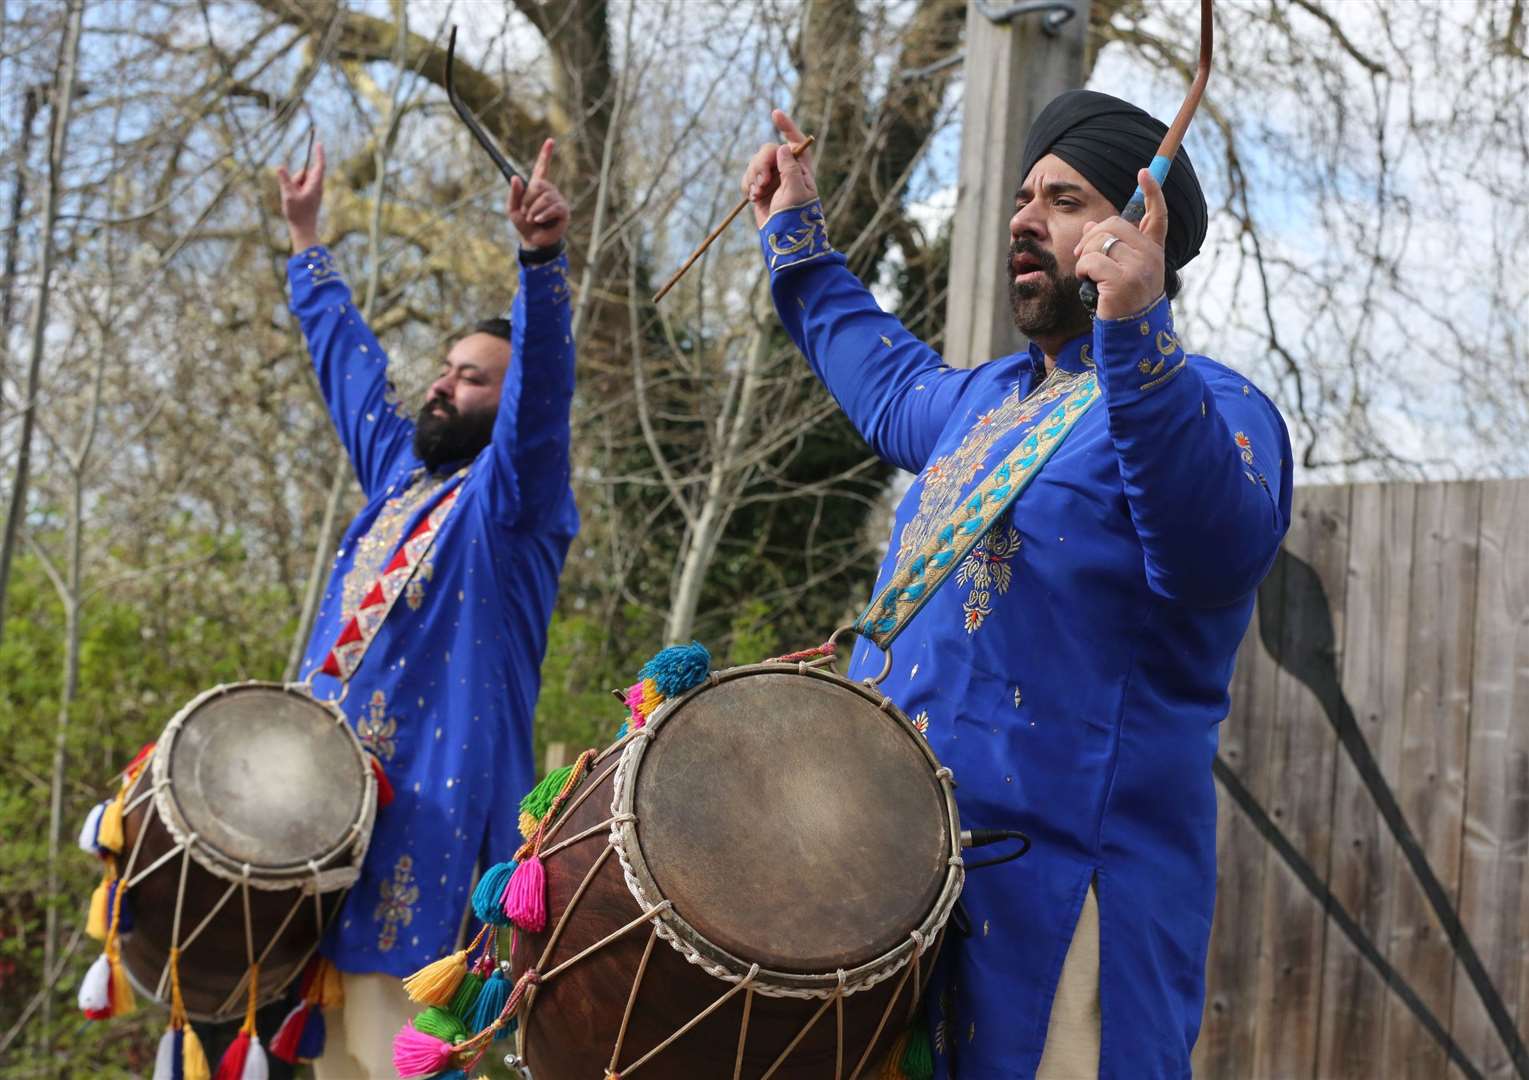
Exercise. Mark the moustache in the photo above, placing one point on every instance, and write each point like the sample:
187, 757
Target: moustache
447, 409
1044, 260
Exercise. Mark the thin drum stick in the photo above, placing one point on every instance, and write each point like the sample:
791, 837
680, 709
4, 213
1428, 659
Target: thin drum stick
308, 154
796, 151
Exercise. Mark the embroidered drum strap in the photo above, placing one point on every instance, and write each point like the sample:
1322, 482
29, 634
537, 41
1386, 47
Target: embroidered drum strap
357, 633
913, 583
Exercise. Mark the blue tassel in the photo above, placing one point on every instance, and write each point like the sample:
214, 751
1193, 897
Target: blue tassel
490, 1003
178, 1062
311, 1045
124, 913
490, 891
678, 668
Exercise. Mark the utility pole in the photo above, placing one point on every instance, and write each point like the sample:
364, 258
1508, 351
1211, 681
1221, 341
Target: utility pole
1018, 57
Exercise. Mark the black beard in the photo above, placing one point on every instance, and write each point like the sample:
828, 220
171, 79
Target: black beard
1050, 308
443, 435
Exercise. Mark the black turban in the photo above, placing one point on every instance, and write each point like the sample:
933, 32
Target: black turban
1108, 140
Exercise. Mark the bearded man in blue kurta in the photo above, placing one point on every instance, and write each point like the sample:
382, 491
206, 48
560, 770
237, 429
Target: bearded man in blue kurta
444, 695
1072, 668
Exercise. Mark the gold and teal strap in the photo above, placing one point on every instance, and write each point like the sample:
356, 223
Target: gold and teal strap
914, 583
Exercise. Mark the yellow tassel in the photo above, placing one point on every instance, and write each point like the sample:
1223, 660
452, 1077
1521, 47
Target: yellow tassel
193, 1057
528, 824
95, 922
328, 990
651, 698
109, 836
436, 983
122, 999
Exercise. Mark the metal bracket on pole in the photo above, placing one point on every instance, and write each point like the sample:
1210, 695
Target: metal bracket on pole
1058, 12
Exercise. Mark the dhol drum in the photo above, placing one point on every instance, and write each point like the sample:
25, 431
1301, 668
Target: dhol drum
755, 884
241, 835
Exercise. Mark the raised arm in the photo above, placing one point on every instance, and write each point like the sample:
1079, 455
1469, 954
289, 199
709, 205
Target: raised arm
1204, 457
895, 389
350, 365
529, 453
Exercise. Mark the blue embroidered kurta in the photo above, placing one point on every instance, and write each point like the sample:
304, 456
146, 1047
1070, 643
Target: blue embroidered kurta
445, 694
1073, 670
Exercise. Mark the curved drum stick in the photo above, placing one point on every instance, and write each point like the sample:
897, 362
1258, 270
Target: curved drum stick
796, 151
1136, 209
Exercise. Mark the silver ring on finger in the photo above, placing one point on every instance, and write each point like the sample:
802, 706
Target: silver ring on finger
1109, 242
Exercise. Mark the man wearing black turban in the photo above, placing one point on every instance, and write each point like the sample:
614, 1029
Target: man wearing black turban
1074, 564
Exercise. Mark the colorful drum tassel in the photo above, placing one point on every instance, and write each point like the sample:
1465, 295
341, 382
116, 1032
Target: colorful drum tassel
918, 1058
109, 836
488, 894
436, 983
489, 1004
245, 1057
302, 1033
466, 996
539, 799
384, 785
678, 669
243, 1060
525, 898
90, 832
95, 990
180, 1055
416, 1054
674, 671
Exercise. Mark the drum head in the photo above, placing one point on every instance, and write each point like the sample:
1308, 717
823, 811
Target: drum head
267, 776
792, 822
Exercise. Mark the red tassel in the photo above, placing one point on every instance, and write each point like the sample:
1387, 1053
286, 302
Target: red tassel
290, 1035
143, 752
384, 788
232, 1065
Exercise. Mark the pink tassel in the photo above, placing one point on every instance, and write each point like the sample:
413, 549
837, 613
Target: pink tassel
525, 897
418, 1054
633, 702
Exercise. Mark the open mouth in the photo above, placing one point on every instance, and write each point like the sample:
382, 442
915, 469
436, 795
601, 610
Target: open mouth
1027, 269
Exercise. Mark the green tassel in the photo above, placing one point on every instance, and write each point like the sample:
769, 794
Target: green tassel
438, 1022
462, 1002
539, 800
918, 1059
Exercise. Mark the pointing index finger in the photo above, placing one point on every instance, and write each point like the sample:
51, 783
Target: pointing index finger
787, 127
543, 161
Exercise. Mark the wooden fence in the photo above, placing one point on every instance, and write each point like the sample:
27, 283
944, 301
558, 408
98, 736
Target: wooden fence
1372, 918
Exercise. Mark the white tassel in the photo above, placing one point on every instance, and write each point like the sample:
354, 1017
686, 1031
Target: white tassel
87, 839
255, 1066
164, 1060
95, 988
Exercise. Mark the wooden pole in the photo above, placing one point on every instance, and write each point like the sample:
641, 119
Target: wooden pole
1013, 69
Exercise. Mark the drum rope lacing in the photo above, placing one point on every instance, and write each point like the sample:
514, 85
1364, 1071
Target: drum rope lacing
904, 961
186, 847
